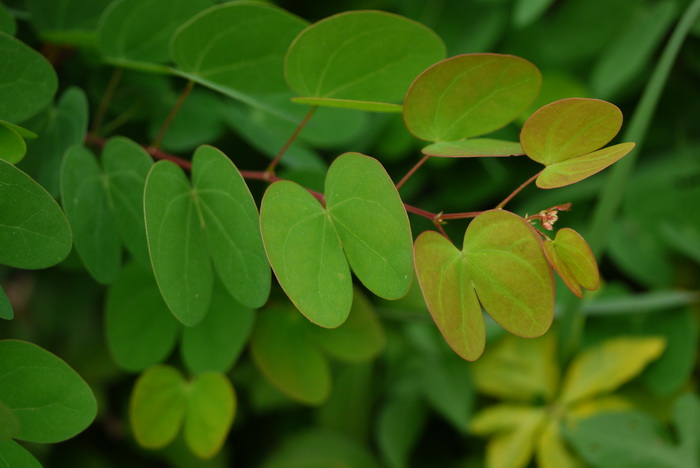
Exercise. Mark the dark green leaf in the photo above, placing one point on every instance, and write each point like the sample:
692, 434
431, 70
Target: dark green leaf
140, 330
6, 311
371, 222
400, 423
211, 406
28, 85
51, 401
350, 408
473, 148
83, 192
469, 95
526, 12
305, 253
67, 21
230, 219
360, 56
236, 47
8, 24
177, 243
295, 366
447, 385
13, 455
360, 338
140, 30
12, 145
34, 231
9, 424
157, 406
126, 167
215, 343
318, 448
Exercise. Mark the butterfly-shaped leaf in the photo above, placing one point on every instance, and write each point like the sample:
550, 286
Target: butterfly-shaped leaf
566, 136
573, 259
360, 59
501, 268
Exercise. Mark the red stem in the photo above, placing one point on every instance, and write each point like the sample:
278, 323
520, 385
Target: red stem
413, 169
300, 127
517, 190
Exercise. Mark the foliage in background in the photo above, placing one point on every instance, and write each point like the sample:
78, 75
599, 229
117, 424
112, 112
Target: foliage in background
139, 258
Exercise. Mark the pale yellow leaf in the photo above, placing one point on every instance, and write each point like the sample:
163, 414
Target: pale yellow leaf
514, 448
552, 451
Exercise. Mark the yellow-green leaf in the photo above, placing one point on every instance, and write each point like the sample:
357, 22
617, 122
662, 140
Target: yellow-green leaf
552, 451
573, 259
473, 148
608, 365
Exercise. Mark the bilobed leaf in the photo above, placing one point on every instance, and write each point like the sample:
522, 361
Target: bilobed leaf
51, 401
292, 364
13, 455
608, 365
84, 197
371, 222
473, 148
231, 222
469, 95
237, 46
34, 232
360, 338
140, 330
157, 406
360, 56
28, 85
573, 170
12, 145
211, 406
140, 30
215, 343
305, 253
177, 243
6, 311
126, 167
446, 284
573, 259
510, 273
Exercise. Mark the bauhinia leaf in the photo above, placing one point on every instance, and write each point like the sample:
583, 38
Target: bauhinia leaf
565, 136
50, 400
34, 233
573, 259
501, 267
469, 95
358, 59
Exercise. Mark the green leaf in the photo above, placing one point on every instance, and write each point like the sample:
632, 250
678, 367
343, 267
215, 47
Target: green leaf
6, 311
360, 56
140, 330
12, 145
469, 95
572, 258
624, 440
13, 455
568, 128
9, 423
28, 85
230, 219
510, 273
350, 408
318, 448
34, 232
237, 46
473, 148
686, 414
371, 222
67, 21
605, 367
527, 12
293, 365
177, 243
305, 253
519, 369
215, 343
211, 406
51, 401
369, 106
401, 421
444, 279
552, 450
573, 170
8, 25
157, 406
126, 167
83, 192
449, 389
138, 30
361, 338
66, 127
